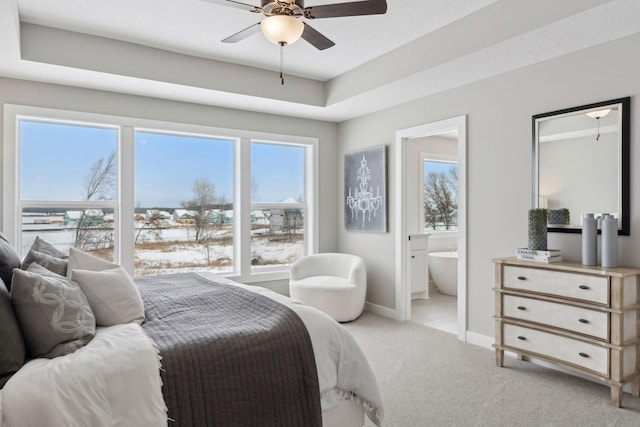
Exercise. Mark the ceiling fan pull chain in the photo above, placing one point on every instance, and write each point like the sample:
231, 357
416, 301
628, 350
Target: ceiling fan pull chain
281, 60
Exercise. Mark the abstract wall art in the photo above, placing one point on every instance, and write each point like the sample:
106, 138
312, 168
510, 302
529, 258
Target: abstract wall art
365, 190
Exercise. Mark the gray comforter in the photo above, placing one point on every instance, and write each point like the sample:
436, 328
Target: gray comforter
230, 357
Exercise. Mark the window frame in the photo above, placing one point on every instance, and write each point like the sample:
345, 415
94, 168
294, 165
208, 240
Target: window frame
274, 205
124, 224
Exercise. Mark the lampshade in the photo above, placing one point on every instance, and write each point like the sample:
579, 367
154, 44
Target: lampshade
598, 114
282, 29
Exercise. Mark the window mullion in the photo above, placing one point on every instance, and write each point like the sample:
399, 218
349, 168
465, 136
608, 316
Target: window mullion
125, 222
243, 207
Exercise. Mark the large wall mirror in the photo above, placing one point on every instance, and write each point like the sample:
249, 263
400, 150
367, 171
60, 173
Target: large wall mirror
581, 164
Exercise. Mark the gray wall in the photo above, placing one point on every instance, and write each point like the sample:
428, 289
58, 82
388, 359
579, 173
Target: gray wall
499, 111
84, 100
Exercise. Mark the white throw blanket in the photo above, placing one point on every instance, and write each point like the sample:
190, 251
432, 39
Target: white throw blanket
343, 369
112, 381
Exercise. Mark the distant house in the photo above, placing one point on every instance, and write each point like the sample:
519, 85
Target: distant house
276, 220
258, 217
157, 214
184, 216
91, 217
216, 216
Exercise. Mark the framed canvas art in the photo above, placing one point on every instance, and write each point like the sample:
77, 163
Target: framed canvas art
365, 190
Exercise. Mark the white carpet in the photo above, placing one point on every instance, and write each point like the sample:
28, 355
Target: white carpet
429, 378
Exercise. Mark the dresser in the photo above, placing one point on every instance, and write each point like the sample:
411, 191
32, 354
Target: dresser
585, 319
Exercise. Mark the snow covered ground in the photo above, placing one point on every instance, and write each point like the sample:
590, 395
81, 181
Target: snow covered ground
173, 250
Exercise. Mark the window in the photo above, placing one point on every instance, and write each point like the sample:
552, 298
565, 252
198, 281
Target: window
277, 204
159, 197
184, 203
440, 195
67, 177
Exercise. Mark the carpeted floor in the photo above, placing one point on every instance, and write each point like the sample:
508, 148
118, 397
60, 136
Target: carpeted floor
429, 378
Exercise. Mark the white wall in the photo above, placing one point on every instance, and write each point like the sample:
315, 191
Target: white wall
499, 113
77, 99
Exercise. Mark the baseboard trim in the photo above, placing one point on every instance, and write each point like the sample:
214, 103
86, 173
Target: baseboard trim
480, 340
381, 310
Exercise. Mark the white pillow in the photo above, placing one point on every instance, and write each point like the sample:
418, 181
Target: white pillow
112, 295
79, 260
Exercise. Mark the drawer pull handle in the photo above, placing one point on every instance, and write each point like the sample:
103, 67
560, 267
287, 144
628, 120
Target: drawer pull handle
585, 287
583, 321
521, 338
522, 307
522, 278
583, 354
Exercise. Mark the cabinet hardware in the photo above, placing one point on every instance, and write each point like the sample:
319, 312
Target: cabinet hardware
522, 278
583, 354
585, 287
522, 307
521, 338
583, 321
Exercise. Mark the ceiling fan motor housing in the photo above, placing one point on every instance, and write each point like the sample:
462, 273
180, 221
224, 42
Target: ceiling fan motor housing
283, 7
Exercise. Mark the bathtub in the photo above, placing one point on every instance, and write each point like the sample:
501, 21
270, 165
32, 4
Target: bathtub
443, 267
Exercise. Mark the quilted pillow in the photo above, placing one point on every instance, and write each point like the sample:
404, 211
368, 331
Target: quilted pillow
12, 351
52, 311
57, 265
42, 246
112, 295
79, 260
9, 259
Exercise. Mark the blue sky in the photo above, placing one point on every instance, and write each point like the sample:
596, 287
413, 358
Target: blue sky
438, 166
55, 159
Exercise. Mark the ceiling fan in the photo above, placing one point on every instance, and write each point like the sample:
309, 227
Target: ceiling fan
283, 26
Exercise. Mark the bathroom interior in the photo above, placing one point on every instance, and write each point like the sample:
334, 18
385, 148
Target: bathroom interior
433, 242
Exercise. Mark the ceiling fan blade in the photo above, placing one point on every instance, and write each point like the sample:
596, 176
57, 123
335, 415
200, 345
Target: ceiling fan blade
241, 35
316, 39
368, 7
236, 4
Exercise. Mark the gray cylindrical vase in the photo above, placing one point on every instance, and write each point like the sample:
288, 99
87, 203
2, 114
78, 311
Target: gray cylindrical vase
589, 239
609, 241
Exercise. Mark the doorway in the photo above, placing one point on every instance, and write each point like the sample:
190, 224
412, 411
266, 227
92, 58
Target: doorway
404, 217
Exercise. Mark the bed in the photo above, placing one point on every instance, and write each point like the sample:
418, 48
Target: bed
209, 352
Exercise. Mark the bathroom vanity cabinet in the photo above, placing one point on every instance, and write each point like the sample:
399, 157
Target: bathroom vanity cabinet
585, 319
419, 266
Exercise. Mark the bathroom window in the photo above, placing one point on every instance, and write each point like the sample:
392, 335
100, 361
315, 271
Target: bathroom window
440, 195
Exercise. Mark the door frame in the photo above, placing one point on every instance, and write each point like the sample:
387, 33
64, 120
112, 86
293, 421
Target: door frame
403, 287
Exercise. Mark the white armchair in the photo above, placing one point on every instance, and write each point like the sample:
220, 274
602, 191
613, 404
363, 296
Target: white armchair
334, 283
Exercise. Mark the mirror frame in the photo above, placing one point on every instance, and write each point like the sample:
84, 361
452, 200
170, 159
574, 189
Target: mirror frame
625, 193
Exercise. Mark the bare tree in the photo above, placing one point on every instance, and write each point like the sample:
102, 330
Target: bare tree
222, 206
292, 221
204, 192
441, 199
151, 227
98, 184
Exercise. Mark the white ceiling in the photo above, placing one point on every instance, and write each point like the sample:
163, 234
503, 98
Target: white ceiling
171, 49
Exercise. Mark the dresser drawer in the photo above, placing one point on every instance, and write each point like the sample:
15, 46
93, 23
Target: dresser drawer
576, 319
568, 285
568, 350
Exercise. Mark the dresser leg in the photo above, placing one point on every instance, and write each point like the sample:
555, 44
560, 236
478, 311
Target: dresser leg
500, 358
616, 396
635, 387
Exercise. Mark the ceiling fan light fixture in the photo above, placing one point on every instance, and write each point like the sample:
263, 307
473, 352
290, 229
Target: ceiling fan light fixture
281, 29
